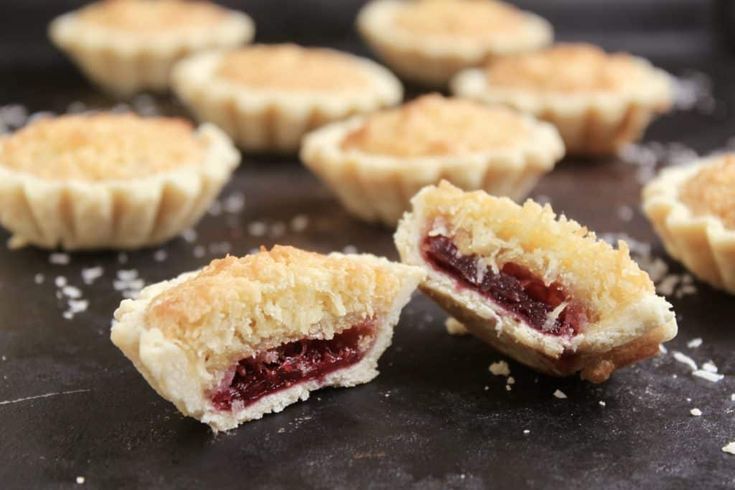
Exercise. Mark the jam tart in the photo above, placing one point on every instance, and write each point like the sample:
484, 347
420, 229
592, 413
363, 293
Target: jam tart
247, 336
102, 180
539, 288
376, 163
692, 208
431, 40
598, 101
268, 96
128, 46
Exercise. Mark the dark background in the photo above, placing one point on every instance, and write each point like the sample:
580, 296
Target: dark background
435, 418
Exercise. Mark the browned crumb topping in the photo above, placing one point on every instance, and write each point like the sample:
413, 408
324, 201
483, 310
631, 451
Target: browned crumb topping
101, 147
566, 68
237, 306
434, 125
151, 17
711, 191
463, 19
291, 67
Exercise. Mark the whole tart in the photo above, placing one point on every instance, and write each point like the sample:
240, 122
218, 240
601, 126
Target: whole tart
268, 96
692, 209
598, 101
376, 163
539, 288
105, 180
126, 46
248, 336
429, 41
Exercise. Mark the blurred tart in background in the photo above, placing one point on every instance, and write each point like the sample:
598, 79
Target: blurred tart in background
428, 41
376, 163
599, 101
692, 209
268, 96
112, 181
128, 46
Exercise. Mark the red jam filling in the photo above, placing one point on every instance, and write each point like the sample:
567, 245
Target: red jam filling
514, 288
293, 363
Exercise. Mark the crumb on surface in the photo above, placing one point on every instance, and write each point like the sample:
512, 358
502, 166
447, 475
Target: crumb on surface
560, 394
500, 368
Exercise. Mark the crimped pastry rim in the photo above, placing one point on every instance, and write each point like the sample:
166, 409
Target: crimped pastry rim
373, 21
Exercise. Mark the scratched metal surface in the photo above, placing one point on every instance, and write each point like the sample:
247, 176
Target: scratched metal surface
434, 418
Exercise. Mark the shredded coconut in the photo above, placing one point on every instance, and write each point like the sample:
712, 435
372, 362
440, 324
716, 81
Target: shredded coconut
189, 235
257, 228
59, 258
160, 255
234, 203
685, 359
91, 274
39, 278
695, 412
560, 394
729, 448
80, 480
299, 222
708, 375
694, 343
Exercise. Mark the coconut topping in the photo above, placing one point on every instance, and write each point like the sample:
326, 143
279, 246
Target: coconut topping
290, 67
434, 125
567, 68
711, 191
150, 18
100, 147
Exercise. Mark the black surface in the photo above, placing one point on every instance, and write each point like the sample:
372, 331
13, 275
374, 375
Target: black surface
428, 421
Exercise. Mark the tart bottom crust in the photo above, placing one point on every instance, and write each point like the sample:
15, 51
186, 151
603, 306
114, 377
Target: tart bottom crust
378, 188
123, 64
178, 378
701, 243
590, 125
120, 214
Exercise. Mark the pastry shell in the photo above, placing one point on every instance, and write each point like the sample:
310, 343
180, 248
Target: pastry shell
433, 62
590, 123
114, 214
163, 360
702, 243
632, 333
271, 120
379, 188
124, 63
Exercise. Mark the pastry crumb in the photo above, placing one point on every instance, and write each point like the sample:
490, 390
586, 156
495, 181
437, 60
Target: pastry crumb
455, 327
526, 431
602, 403
500, 368
560, 394
80, 480
695, 412
708, 375
729, 448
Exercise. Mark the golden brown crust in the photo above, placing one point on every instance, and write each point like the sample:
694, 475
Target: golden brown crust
99, 147
150, 18
711, 191
290, 67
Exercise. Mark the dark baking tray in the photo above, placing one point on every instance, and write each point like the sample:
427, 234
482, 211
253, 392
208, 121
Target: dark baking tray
434, 418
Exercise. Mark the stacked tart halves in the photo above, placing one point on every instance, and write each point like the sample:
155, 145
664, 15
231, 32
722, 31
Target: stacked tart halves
267, 96
245, 337
692, 209
376, 163
540, 289
109, 180
598, 101
429, 41
127, 46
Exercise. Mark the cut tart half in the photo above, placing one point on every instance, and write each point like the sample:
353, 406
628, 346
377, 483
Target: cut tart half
692, 209
245, 337
538, 288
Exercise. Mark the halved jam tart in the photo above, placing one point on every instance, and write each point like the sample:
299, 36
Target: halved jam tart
249, 336
540, 289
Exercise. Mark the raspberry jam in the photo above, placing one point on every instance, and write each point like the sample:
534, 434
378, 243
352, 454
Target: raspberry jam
514, 288
292, 363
